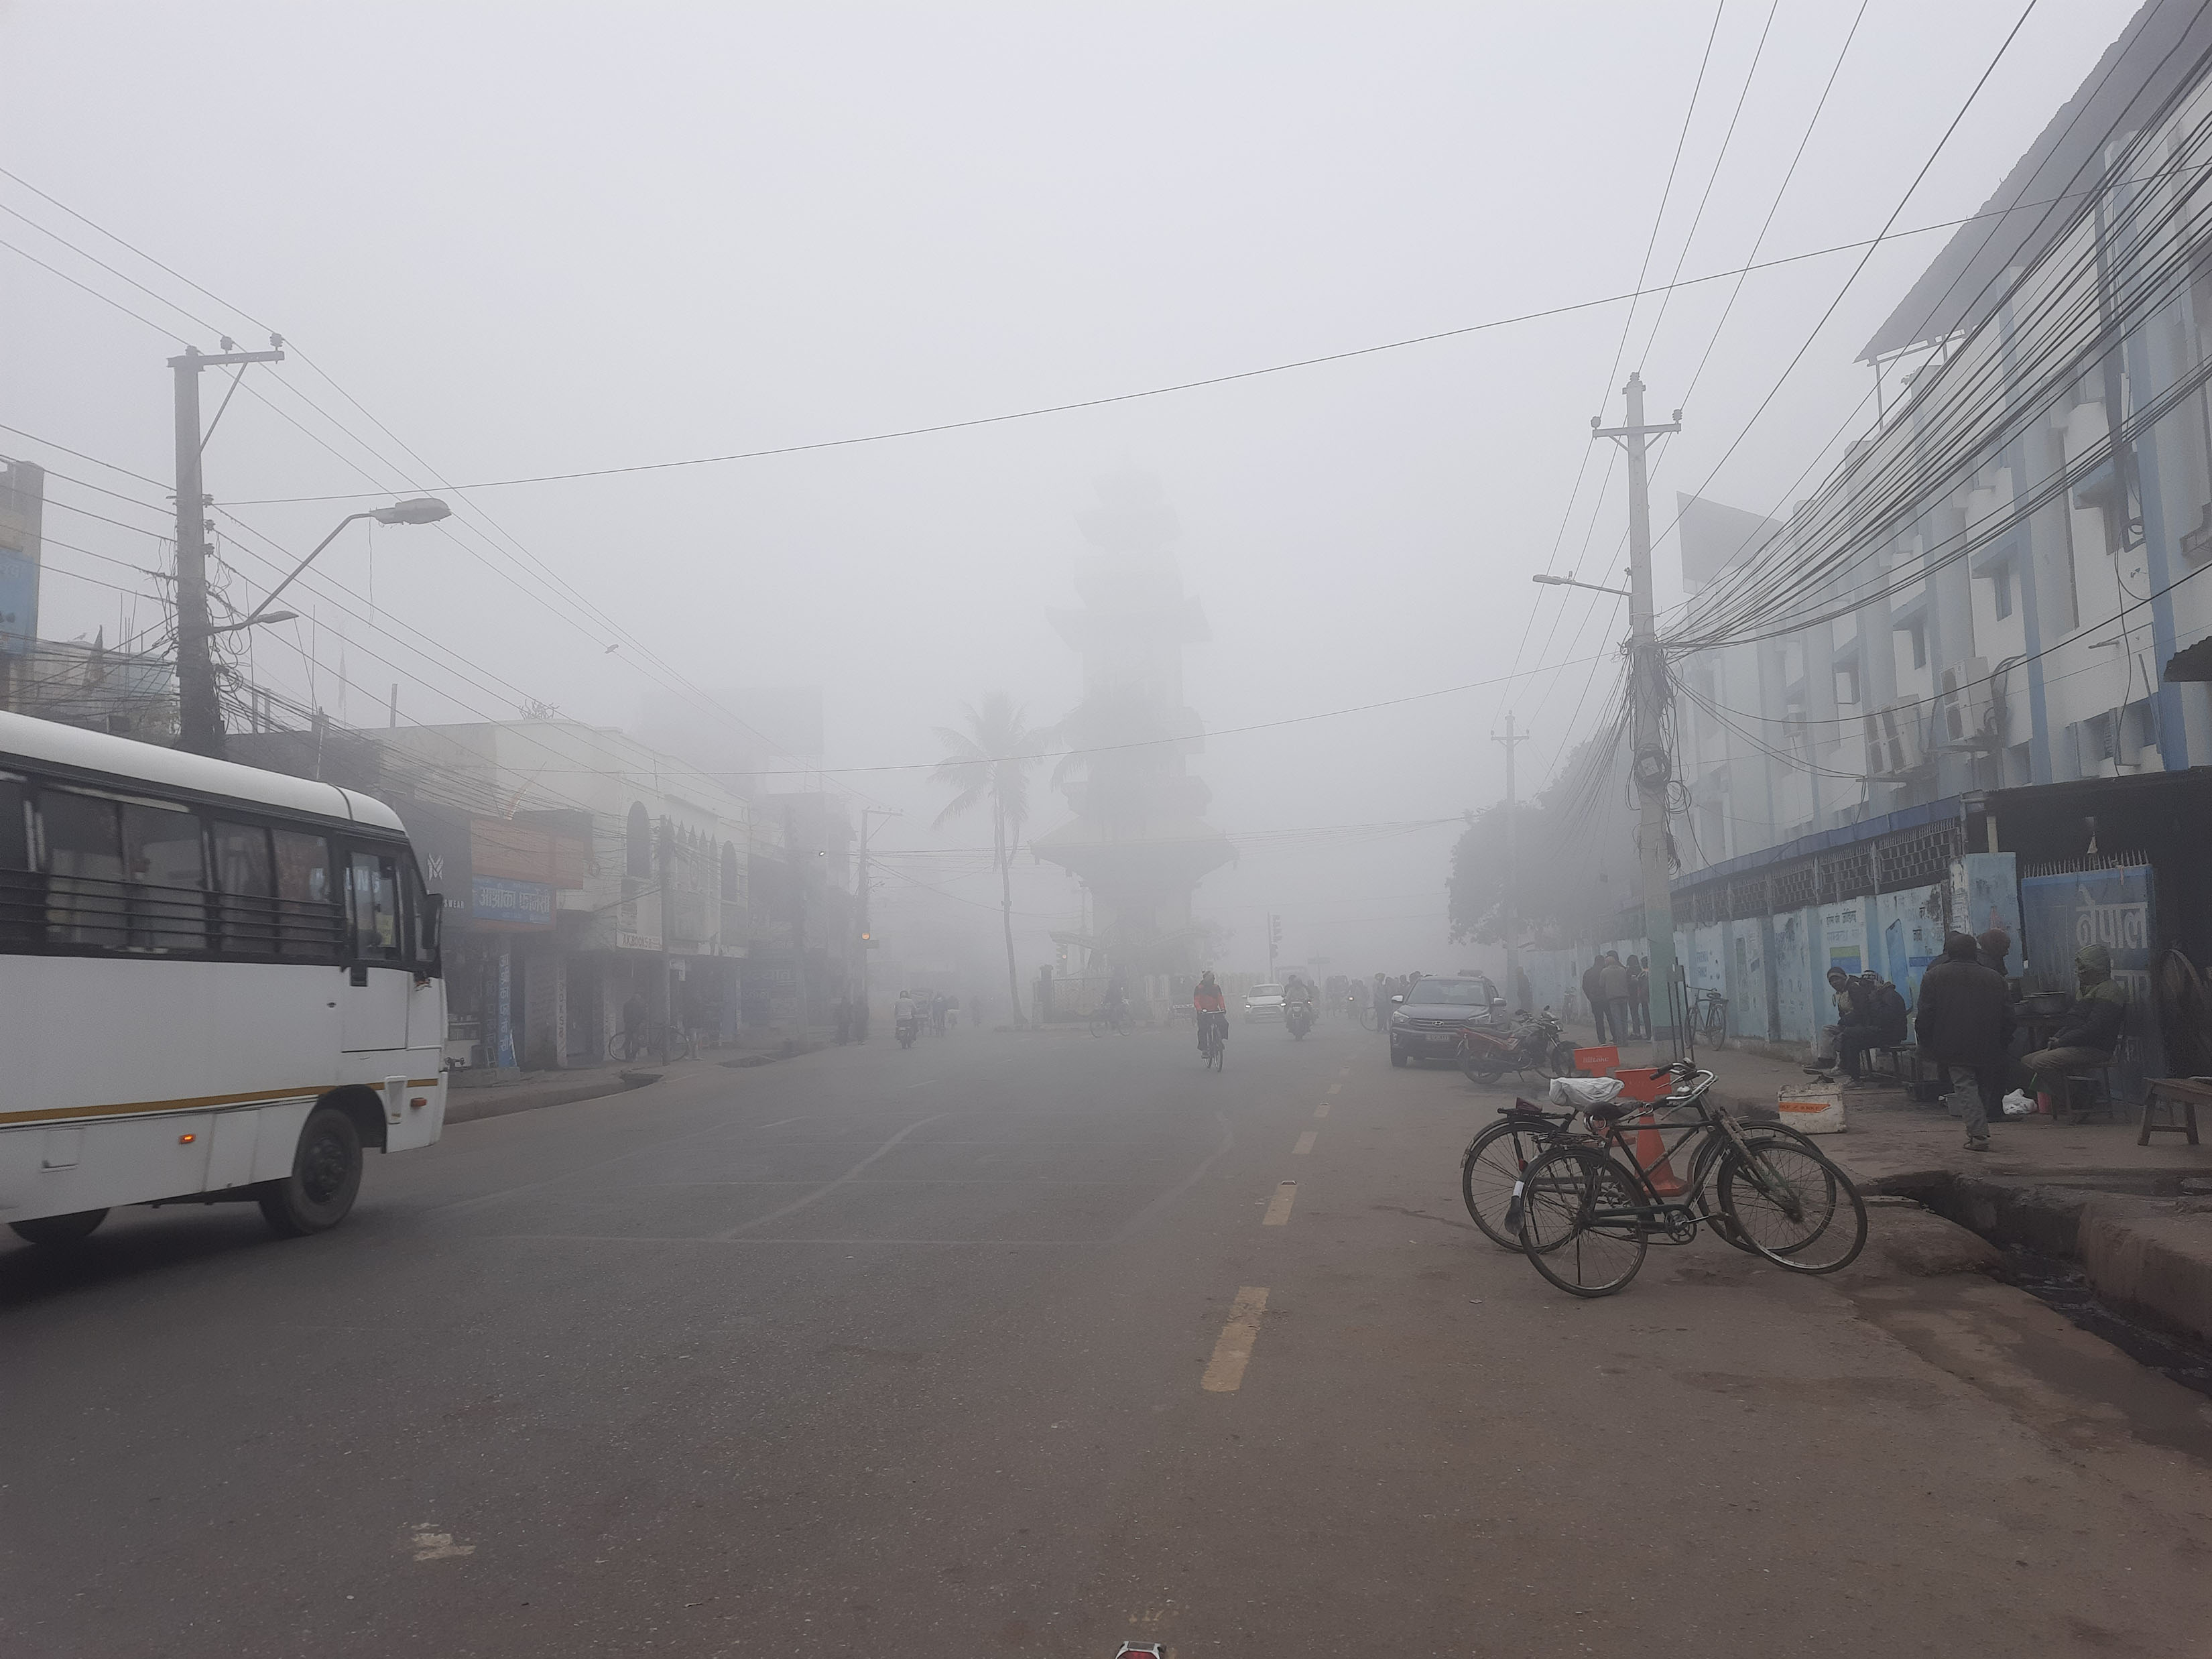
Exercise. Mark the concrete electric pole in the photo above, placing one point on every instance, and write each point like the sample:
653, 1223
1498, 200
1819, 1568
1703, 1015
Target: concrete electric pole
1653, 766
200, 711
1512, 740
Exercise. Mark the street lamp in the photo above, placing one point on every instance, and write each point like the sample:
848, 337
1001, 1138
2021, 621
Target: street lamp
259, 618
419, 509
1568, 581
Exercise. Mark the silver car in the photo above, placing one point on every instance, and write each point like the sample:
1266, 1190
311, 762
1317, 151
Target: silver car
1263, 1002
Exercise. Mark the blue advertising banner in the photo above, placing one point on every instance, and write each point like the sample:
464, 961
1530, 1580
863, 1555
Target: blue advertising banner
2059, 915
525, 903
19, 602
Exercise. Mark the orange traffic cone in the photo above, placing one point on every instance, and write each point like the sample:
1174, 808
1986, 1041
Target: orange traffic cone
1651, 1154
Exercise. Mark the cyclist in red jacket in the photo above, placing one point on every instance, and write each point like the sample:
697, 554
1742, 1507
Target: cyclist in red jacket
1210, 1005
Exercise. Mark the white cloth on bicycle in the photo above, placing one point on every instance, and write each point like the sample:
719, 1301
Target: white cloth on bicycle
1583, 1092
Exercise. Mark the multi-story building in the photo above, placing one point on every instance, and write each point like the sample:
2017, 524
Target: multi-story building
1966, 681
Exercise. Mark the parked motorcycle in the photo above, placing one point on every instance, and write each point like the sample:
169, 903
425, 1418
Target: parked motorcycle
1299, 1019
1533, 1042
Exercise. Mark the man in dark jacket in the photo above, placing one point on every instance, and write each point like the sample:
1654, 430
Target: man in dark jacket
1994, 947
2091, 1029
1878, 1022
1594, 994
1966, 1023
1613, 981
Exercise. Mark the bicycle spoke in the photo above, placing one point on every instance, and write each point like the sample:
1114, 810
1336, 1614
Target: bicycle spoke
1565, 1193
1793, 1205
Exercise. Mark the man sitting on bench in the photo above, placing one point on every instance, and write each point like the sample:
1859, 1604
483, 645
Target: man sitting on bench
1884, 1027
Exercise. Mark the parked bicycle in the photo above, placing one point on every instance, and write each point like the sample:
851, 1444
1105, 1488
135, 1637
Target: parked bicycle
1112, 1017
652, 1042
1709, 1018
1587, 1209
1497, 1162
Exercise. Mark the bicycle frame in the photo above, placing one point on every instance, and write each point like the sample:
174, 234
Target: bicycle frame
1677, 1222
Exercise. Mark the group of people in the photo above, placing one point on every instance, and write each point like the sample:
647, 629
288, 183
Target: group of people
936, 1009
1619, 997
1967, 1023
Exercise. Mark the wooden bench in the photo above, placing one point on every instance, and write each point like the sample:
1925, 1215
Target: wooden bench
2180, 1096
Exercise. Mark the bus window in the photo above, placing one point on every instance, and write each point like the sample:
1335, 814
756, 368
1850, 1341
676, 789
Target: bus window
372, 892
23, 915
166, 867
307, 923
82, 842
423, 919
247, 881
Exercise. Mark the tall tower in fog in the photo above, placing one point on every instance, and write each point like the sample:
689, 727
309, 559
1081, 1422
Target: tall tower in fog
1139, 840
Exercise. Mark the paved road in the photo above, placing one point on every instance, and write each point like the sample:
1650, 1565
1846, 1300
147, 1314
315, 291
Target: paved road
878, 1352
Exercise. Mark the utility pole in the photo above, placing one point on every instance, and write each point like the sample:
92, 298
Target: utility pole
667, 872
1512, 740
200, 711
1653, 767
867, 931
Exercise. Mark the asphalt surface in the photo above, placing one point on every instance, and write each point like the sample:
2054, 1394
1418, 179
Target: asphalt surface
937, 1352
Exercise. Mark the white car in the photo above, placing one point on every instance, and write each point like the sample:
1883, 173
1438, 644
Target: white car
1263, 1002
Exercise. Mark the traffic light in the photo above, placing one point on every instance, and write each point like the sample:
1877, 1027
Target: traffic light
1274, 931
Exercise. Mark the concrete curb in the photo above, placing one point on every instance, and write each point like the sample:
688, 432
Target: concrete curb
2154, 1254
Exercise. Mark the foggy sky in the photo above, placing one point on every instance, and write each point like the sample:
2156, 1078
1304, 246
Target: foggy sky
535, 239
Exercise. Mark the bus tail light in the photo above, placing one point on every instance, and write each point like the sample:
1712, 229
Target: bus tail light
187, 1141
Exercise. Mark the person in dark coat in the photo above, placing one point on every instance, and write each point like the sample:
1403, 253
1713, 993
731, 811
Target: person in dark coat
1639, 997
1594, 994
1612, 981
1992, 948
1872, 1024
1966, 1023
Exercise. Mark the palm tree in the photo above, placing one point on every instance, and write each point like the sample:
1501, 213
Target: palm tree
989, 763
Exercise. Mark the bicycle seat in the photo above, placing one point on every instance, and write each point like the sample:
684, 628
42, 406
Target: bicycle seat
1612, 1111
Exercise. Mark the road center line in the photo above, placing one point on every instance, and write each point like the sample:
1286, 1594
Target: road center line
1278, 1207
1336, 1088
1321, 1110
1346, 1072
1224, 1372
1305, 1143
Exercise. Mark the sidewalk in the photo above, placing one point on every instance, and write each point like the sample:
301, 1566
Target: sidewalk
473, 1095
2086, 1193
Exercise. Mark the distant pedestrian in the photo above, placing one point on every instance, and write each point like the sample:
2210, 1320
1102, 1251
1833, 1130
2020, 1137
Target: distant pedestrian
1964, 1022
1639, 997
1613, 979
1594, 994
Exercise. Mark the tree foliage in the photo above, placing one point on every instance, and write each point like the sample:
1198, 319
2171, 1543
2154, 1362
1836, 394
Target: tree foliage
1574, 855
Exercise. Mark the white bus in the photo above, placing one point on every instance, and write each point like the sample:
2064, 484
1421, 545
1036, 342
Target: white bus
216, 983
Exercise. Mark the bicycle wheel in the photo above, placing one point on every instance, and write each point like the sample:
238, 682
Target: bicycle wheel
1573, 1228
1493, 1163
1710, 1150
1797, 1209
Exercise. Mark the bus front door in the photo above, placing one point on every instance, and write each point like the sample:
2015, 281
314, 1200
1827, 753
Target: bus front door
373, 1002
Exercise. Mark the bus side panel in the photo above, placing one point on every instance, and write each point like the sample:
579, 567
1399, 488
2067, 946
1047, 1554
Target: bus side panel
61, 1168
127, 1033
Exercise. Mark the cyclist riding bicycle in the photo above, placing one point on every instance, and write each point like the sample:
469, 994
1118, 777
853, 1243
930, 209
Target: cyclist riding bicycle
1212, 1009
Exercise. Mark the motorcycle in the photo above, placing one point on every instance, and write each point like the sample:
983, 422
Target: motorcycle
1299, 1019
909, 1029
1533, 1042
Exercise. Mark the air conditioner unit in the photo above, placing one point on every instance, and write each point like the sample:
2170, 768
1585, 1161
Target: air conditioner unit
1892, 741
1968, 711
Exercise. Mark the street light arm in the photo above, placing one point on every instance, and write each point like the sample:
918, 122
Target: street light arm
1568, 581
270, 597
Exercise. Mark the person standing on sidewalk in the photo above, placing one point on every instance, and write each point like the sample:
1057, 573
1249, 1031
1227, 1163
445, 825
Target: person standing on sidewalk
1966, 1023
1639, 997
1613, 979
1594, 994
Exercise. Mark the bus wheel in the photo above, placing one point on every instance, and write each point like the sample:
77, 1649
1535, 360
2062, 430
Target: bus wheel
59, 1229
326, 1176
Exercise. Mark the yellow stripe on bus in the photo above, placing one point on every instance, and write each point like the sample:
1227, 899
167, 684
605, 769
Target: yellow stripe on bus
201, 1103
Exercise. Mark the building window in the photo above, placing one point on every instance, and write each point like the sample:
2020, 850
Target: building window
638, 842
1919, 632
2001, 585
